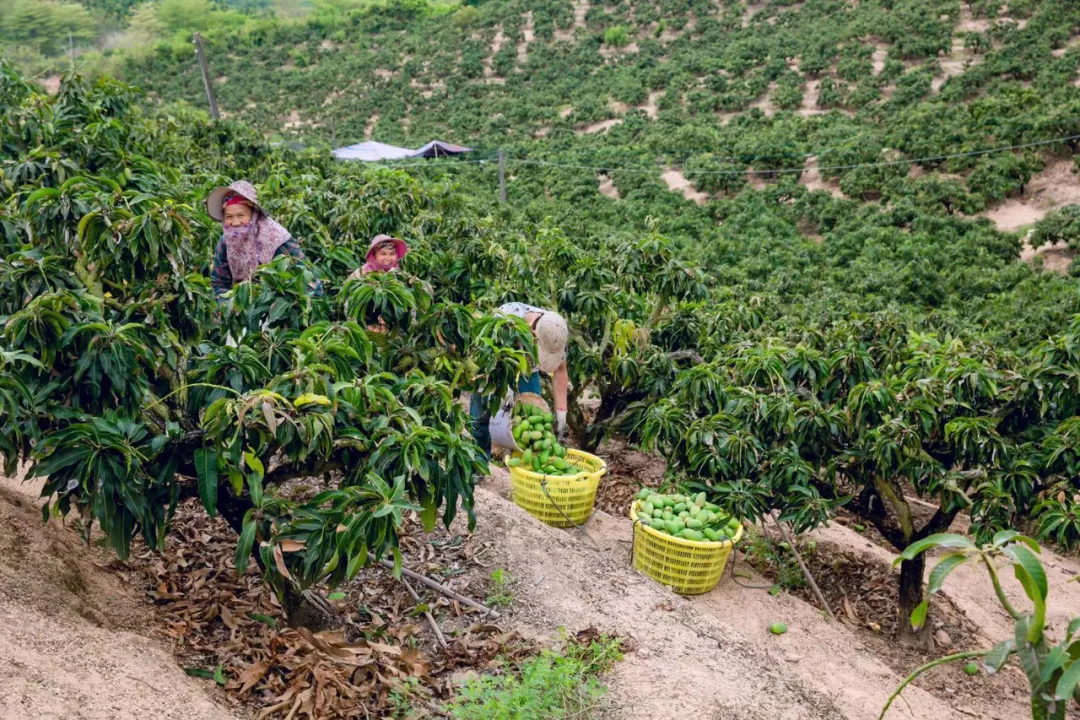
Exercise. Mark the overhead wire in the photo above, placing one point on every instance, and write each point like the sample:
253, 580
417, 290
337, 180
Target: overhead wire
605, 168
778, 171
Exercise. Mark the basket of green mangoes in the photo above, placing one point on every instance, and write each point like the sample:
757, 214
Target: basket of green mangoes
682, 541
552, 483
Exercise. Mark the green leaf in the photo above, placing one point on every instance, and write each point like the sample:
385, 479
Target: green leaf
1067, 682
206, 468
945, 540
1029, 658
219, 675
236, 479
336, 596
1055, 659
254, 463
942, 570
429, 516
1031, 564
1074, 625
244, 546
918, 615
998, 656
1004, 536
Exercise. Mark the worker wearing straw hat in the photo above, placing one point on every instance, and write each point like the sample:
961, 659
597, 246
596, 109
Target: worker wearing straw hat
552, 336
249, 237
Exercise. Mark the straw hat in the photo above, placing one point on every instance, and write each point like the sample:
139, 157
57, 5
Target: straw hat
216, 198
551, 340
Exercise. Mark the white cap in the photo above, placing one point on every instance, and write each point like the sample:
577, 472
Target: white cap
551, 340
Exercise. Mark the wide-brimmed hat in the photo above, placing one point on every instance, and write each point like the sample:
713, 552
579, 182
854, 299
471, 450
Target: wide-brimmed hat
216, 199
552, 337
399, 245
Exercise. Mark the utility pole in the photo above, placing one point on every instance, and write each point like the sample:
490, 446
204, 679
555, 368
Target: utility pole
200, 53
502, 175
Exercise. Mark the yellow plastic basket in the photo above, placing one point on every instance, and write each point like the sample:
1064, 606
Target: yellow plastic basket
568, 499
686, 566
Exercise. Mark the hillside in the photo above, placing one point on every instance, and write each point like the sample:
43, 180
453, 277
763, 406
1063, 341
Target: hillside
816, 262
707, 86
900, 107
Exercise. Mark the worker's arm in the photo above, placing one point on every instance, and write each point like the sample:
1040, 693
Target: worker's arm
220, 274
560, 383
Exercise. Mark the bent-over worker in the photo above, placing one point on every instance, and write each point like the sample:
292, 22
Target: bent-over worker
552, 336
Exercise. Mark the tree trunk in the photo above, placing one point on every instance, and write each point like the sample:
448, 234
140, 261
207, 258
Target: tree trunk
911, 594
302, 609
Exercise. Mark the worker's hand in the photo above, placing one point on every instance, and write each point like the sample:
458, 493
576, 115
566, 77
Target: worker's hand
560, 425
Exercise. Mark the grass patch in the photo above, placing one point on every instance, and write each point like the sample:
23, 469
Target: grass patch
556, 684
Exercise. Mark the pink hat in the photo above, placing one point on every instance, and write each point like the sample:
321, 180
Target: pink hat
399, 246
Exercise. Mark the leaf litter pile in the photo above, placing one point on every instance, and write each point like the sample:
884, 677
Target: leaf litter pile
628, 471
232, 630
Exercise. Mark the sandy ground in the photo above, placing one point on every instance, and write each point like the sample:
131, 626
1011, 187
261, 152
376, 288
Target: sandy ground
710, 656
369, 129
677, 182
598, 127
496, 45
607, 187
1052, 188
528, 32
1056, 257
811, 179
75, 641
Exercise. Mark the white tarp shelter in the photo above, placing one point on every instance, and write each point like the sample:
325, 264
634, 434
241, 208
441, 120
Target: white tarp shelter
372, 151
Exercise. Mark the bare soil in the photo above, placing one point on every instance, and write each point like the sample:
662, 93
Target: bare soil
811, 179
710, 656
607, 188
1056, 186
75, 635
1056, 257
677, 182
598, 127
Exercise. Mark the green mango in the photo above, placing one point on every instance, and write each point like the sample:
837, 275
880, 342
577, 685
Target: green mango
674, 526
692, 535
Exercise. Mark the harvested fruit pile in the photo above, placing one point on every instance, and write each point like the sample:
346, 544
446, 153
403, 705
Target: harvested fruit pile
541, 452
686, 517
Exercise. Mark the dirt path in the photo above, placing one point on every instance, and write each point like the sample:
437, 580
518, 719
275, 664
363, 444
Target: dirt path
811, 179
710, 656
74, 640
677, 182
1057, 185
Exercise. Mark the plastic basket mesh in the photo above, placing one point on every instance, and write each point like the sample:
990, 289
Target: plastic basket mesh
687, 567
569, 499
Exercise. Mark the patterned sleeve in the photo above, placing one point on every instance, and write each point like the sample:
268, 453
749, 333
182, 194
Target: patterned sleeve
220, 274
291, 247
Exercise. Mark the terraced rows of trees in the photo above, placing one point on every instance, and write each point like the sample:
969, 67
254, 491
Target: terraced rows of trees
781, 348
